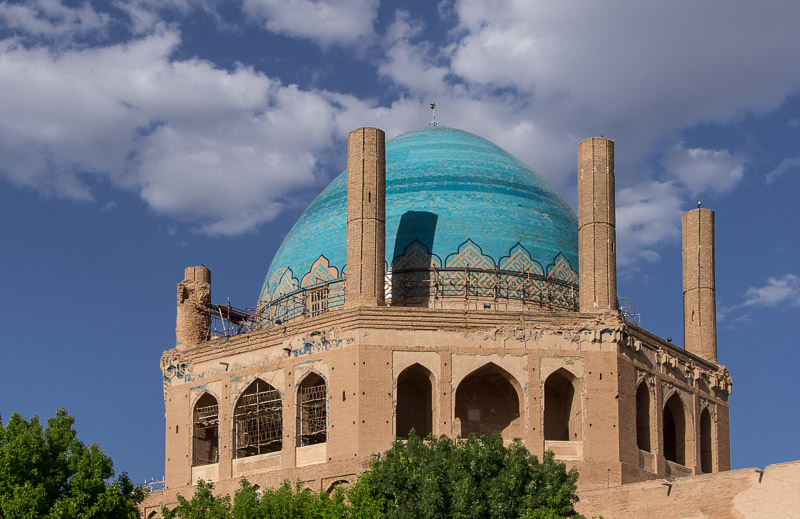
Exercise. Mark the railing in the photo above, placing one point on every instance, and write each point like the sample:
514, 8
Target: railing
426, 287
154, 485
408, 287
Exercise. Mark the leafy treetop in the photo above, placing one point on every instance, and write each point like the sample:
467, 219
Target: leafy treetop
47, 472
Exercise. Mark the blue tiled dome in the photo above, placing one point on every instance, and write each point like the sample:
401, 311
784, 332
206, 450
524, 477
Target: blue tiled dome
449, 193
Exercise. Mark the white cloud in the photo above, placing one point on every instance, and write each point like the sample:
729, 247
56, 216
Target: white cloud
636, 72
785, 165
777, 291
52, 19
408, 64
704, 170
647, 215
324, 21
222, 148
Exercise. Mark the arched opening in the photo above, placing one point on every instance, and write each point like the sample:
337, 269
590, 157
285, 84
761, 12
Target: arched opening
343, 483
706, 448
675, 430
205, 434
414, 402
643, 417
487, 401
563, 420
312, 411
258, 420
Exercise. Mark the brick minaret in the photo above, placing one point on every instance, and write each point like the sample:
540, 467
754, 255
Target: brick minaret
596, 225
699, 286
193, 321
366, 217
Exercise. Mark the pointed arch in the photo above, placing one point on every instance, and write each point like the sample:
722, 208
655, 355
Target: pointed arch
674, 430
414, 409
257, 420
563, 412
312, 410
643, 421
205, 431
706, 442
489, 400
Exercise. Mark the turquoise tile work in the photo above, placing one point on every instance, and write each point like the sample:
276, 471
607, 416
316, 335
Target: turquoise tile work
451, 197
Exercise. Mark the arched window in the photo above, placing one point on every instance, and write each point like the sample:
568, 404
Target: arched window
675, 430
643, 417
312, 411
258, 420
414, 401
487, 401
205, 434
563, 420
706, 446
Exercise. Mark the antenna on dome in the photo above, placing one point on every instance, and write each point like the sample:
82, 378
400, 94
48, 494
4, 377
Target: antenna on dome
433, 122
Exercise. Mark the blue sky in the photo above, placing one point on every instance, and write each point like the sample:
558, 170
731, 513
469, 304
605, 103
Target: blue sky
140, 137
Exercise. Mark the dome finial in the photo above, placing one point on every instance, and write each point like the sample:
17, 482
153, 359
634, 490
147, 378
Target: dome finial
433, 122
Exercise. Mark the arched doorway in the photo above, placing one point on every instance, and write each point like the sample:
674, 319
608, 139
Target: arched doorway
205, 433
643, 417
312, 411
488, 400
563, 418
257, 421
706, 443
675, 430
414, 402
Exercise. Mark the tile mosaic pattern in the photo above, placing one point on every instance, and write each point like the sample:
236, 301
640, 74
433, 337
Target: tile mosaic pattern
449, 194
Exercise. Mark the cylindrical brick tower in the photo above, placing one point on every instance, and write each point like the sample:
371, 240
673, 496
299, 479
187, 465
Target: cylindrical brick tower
597, 235
366, 217
194, 321
699, 285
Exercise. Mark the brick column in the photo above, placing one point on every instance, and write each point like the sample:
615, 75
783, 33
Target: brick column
366, 217
597, 235
699, 286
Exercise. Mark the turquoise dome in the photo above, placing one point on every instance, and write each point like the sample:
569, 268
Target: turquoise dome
451, 194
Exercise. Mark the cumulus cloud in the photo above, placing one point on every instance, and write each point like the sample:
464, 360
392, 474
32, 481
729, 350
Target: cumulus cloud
222, 148
785, 165
647, 215
704, 170
408, 64
784, 290
52, 19
324, 21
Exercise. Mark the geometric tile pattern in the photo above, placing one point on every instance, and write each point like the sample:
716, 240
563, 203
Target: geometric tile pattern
320, 271
417, 275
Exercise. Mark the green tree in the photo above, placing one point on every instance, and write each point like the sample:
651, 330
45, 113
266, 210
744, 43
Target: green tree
286, 502
49, 472
203, 505
477, 477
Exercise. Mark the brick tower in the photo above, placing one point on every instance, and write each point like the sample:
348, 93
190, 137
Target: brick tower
366, 217
596, 225
699, 293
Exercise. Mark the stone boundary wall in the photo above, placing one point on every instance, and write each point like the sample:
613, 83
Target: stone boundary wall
744, 493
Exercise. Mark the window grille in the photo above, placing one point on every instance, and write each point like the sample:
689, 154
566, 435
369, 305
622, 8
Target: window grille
258, 421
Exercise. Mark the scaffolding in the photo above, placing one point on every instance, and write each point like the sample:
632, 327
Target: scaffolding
628, 312
258, 421
205, 443
312, 418
432, 286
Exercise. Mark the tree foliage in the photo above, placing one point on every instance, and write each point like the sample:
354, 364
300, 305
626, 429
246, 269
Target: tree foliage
478, 477
48, 472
